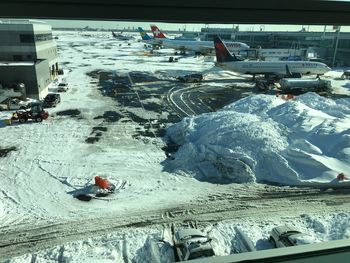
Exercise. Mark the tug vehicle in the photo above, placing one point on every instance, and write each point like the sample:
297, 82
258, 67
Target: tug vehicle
35, 113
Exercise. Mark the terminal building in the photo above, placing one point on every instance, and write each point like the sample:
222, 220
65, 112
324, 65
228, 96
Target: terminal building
332, 48
28, 55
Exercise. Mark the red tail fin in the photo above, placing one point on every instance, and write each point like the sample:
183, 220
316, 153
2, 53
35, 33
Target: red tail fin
222, 53
156, 32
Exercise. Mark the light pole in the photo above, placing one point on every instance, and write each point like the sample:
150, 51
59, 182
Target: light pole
336, 46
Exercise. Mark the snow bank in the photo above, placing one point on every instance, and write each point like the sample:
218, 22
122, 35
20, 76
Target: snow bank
264, 138
136, 245
316, 228
143, 245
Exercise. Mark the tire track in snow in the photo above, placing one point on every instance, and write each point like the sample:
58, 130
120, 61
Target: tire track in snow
63, 181
8, 196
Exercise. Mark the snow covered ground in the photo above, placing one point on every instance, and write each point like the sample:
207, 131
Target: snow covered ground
260, 138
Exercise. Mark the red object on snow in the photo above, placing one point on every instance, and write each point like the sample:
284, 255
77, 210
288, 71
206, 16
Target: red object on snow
102, 183
45, 115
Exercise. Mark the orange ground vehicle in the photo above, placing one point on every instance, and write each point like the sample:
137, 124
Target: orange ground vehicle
102, 183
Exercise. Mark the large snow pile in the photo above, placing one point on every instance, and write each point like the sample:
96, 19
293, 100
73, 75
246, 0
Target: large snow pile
265, 138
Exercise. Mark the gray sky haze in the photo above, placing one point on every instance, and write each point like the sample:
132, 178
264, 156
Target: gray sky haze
119, 25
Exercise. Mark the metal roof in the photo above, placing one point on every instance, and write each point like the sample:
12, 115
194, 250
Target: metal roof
184, 234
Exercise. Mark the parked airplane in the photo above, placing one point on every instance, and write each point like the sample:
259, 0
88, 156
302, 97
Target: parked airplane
121, 36
203, 47
269, 68
148, 39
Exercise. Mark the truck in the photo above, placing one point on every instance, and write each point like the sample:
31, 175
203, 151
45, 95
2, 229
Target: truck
346, 74
14, 104
304, 85
191, 243
197, 77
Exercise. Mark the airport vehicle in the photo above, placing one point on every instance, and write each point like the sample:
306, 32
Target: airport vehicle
346, 74
62, 87
148, 39
35, 113
13, 104
286, 236
51, 100
279, 69
202, 47
191, 78
304, 85
172, 59
191, 243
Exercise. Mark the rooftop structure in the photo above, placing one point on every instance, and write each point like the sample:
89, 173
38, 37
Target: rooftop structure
27, 55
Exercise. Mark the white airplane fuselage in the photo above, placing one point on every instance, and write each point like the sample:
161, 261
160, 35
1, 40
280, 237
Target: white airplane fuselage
276, 67
200, 46
152, 41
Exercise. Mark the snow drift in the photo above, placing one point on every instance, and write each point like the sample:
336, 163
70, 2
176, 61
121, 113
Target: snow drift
264, 138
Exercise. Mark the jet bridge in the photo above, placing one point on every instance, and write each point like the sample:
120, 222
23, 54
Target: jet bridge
274, 54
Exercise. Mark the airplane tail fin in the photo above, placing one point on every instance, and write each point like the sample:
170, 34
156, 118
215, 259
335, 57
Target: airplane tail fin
156, 32
222, 53
143, 34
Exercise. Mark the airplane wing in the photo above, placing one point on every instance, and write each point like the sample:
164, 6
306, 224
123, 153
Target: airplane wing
206, 49
200, 49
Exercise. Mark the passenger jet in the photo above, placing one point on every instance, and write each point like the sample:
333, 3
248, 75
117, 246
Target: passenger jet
203, 47
269, 68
